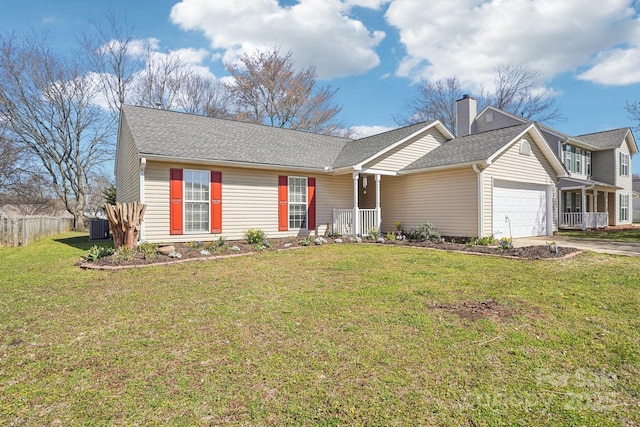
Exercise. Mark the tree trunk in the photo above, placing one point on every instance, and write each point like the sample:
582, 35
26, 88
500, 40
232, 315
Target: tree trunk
78, 219
125, 220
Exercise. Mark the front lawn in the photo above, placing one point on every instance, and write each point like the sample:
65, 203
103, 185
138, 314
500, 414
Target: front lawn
623, 235
330, 335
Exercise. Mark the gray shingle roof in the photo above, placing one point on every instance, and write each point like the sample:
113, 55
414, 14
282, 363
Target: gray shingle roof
187, 136
355, 152
473, 148
605, 140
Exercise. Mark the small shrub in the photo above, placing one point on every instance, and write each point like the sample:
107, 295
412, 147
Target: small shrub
124, 253
422, 232
205, 252
235, 249
374, 233
305, 242
148, 250
391, 236
194, 244
398, 225
221, 241
97, 252
506, 243
482, 241
255, 236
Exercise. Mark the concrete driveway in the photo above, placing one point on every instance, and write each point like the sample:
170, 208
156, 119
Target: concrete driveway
603, 246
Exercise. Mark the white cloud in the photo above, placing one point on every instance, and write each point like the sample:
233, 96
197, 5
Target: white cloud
616, 67
364, 131
319, 33
470, 38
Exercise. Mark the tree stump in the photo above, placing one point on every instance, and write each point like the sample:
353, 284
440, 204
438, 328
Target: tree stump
125, 220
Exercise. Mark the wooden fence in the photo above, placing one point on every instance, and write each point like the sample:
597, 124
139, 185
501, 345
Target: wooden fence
22, 231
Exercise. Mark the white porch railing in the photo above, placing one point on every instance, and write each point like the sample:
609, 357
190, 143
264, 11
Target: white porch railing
582, 220
343, 221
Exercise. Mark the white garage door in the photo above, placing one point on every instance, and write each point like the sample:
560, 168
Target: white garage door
524, 204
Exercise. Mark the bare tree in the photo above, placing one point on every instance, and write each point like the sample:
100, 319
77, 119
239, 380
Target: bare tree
116, 57
203, 95
268, 89
633, 108
13, 162
47, 102
434, 101
517, 91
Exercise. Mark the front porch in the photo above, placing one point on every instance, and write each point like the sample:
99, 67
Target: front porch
582, 221
585, 206
358, 221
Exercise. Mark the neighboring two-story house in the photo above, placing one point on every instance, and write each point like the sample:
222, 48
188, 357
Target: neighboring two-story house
597, 191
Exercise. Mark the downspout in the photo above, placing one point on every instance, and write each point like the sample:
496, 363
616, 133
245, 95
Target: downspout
143, 165
477, 170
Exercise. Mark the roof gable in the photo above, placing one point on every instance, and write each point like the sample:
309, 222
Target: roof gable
610, 139
483, 148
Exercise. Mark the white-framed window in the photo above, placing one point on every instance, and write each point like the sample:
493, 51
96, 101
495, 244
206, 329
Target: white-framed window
624, 207
624, 164
297, 202
577, 160
196, 200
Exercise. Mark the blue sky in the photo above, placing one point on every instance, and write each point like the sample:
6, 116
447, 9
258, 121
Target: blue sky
376, 51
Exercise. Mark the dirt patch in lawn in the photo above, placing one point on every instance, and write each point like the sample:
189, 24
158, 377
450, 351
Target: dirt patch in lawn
181, 252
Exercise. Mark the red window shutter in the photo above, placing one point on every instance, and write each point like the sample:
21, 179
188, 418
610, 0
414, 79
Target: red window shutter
175, 201
283, 203
311, 203
216, 202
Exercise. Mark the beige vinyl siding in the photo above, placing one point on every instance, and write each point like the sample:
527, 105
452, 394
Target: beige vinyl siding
626, 182
249, 200
500, 120
407, 152
127, 167
448, 199
513, 166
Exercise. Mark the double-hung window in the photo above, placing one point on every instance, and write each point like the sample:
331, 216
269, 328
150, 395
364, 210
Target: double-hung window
624, 207
624, 164
297, 202
196, 201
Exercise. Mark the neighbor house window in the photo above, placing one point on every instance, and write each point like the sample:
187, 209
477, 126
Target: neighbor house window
588, 163
297, 202
624, 207
196, 200
624, 164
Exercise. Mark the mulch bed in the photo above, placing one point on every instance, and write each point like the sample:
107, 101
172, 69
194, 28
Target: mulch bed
193, 251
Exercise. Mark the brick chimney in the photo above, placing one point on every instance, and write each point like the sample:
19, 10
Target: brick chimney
467, 110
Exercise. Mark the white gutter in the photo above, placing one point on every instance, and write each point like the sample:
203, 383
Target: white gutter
243, 165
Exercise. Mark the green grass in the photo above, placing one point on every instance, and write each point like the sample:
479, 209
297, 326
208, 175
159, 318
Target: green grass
624, 235
331, 335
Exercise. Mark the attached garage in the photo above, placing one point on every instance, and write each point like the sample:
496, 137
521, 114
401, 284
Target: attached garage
527, 207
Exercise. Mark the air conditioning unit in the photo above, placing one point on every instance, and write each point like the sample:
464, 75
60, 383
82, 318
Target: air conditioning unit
98, 229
